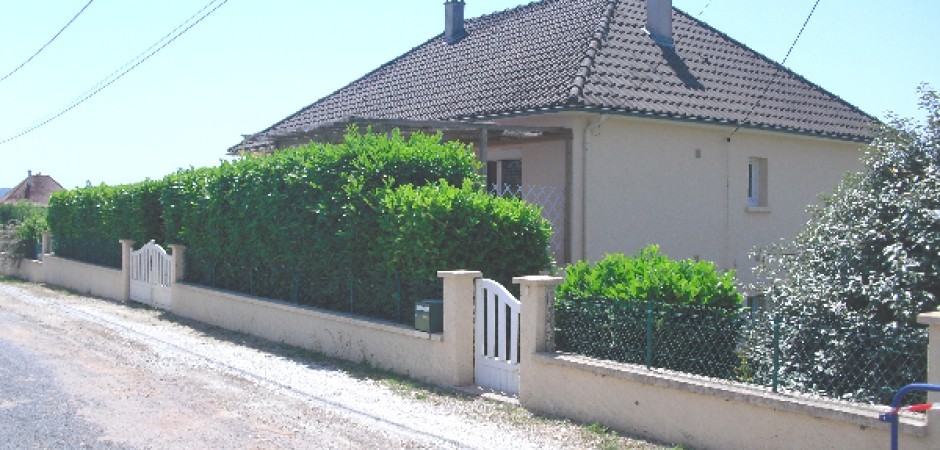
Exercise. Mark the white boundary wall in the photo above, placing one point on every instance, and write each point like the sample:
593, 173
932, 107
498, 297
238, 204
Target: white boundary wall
675, 408
380, 344
696, 411
89, 279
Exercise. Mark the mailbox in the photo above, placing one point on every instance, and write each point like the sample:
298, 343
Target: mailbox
429, 316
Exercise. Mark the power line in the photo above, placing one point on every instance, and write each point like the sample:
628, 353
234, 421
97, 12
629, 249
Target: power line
47, 43
126, 68
776, 73
704, 8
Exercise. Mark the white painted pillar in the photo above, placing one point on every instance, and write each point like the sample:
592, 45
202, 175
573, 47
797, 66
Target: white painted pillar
126, 246
459, 291
46, 242
178, 268
932, 320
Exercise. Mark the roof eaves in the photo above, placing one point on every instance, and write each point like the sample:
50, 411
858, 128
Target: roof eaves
674, 117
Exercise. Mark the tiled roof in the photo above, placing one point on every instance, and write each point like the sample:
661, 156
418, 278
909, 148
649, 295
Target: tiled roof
584, 55
35, 188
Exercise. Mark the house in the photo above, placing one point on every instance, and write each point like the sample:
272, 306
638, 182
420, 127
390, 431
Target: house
643, 124
35, 188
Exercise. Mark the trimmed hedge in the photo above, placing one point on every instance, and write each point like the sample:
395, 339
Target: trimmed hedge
679, 315
439, 225
650, 275
362, 226
88, 223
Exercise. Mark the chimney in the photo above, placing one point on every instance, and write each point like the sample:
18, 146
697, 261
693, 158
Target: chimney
29, 184
453, 21
659, 21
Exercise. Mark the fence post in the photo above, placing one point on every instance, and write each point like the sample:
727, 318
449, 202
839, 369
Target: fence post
46, 242
932, 320
178, 269
458, 306
126, 246
537, 295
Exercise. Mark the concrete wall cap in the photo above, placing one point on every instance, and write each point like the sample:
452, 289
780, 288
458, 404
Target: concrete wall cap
538, 280
929, 318
459, 274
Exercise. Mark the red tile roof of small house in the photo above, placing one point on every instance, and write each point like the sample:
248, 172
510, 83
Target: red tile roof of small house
595, 55
35, 188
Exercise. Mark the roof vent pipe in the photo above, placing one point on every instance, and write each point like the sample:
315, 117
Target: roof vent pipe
659, 21
453, 21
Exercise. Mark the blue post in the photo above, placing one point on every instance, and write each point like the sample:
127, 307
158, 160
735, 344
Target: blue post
892, 417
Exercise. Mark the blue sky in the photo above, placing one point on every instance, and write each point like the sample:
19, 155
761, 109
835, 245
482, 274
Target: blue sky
252, 62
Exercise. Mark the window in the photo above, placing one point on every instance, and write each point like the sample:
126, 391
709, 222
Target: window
757, 183
756, 302
504, 176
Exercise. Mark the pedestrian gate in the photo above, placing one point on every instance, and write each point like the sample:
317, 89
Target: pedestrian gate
496, 340
150, 276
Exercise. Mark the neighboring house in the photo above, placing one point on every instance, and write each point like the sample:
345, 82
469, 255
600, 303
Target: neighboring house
649, 125
3, 191
35, 188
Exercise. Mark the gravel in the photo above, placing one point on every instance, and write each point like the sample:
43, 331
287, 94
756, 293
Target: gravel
136, 377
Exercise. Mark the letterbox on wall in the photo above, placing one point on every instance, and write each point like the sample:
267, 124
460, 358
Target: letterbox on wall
429, 316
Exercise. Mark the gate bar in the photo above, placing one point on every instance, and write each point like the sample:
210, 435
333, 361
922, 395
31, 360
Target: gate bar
892, 416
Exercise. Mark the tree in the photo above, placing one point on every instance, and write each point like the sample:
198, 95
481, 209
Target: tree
865, 265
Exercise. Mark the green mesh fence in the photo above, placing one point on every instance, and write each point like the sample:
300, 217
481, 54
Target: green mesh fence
104, 253
856, 362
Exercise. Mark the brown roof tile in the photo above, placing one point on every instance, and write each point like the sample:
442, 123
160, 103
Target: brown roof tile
35, 188
585, 54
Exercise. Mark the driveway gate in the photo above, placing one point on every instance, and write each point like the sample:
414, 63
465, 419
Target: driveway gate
150, 276
496, 340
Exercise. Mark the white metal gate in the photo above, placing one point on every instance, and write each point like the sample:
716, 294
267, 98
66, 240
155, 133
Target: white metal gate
496, 341
150, 275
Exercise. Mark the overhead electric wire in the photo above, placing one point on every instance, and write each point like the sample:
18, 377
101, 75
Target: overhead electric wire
776, 73
126, 68
704, 8
47, 43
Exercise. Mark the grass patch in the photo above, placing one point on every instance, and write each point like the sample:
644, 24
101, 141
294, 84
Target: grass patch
10, 280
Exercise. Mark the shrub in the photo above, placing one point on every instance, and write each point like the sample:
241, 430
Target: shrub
424, 229
678, 315
650, 275
312, 225
23, 224
87, 223
868, 257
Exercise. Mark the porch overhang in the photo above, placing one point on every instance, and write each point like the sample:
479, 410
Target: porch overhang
479, 134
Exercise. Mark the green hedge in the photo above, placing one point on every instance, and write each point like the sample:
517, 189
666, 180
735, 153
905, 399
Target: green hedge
650, 275
22, 224
678, 315
88, 223
439, 226
332, 225
362, 226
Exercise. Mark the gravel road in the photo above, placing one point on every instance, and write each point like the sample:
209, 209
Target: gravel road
91, 373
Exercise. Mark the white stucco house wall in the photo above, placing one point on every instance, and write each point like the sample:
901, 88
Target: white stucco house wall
644, 124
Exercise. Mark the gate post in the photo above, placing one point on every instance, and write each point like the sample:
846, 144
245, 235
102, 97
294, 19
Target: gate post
126, 246
458, 305
537, 295
178, 269
932, 320
46, 242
